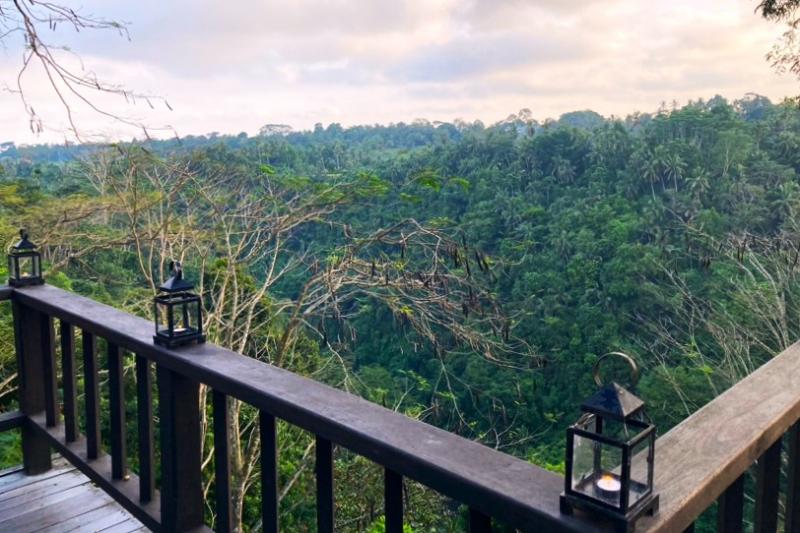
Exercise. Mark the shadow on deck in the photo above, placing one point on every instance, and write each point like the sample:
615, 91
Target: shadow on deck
60, 500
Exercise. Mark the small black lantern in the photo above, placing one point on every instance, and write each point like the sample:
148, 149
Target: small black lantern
610, 452
24, 263
178, 313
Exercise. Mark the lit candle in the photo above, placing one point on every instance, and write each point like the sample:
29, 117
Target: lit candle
180, 330
608, 486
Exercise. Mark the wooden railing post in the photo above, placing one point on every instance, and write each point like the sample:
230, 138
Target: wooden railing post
47, 341
269, 472
793, 482
116, 401
29, 342
144, 415
91, 394
730, 510
479, 522
222, 464
181, 482
768, 476
69, 381
393, 501
324, 470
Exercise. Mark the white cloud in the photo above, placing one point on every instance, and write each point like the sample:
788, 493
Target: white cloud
230, 67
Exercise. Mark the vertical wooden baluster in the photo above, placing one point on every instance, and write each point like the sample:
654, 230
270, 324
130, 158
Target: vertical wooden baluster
68, 378
28, 345
479, 522
222, 486
144, 411
393, 500
324, 469
793, 476
181, 482
116, 397
731, 507
269, 472
768, 475
91, 395
47, 338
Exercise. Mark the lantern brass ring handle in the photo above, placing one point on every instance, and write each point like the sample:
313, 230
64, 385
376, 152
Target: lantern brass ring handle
627, 358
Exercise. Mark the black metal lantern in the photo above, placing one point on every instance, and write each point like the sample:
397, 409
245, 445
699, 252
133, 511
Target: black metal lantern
178, 313
24, 263
610, 452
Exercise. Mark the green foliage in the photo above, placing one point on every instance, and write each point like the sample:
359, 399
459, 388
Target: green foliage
597, 235
379, 526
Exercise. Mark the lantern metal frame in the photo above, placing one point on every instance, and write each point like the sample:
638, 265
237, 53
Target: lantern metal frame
587, 495
176, 294
24, 249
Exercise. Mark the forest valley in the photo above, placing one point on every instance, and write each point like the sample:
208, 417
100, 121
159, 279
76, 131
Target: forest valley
464, 275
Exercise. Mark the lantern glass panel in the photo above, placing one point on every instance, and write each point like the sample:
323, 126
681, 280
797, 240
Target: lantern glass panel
640, 471
35, 268
27, 266
596, 468
24, 268
186, 316
162, 317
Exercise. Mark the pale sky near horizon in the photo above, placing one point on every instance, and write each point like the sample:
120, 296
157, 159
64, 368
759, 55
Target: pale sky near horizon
235, 66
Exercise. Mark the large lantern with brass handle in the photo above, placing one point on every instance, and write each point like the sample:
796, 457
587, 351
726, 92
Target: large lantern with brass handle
610, 454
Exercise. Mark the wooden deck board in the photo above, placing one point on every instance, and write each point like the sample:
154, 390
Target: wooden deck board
96, 520
62, 500
13, 478
67, 480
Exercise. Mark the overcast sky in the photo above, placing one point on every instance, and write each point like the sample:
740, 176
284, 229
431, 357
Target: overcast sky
235, 66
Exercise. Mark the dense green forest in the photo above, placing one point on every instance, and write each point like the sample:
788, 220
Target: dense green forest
465, 275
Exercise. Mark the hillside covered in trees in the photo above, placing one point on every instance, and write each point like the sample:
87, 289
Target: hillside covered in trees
465, 275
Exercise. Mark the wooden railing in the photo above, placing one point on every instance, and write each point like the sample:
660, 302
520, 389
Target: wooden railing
706, 457
699, 461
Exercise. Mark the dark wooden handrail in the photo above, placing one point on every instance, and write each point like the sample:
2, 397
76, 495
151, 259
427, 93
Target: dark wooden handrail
11, 420
488, 481
699, 461
6, 292
706, 453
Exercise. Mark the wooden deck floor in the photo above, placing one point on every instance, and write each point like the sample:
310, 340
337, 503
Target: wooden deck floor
60, 500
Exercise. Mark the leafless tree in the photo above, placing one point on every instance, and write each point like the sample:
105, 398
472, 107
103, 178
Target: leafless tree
72, 83
243, 234
752, 314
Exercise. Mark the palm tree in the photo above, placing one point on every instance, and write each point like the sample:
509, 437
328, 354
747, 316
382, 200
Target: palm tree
650, 172
563, 170
675, 167
700, 184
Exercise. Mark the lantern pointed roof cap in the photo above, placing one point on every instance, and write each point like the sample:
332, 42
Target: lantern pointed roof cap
24, 243
176, 283
613, 401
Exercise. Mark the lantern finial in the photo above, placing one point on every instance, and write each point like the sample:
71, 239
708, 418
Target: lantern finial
176, 283
24, 243
625, 357
613, 400
176, 269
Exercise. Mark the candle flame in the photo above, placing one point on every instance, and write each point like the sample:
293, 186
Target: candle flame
607, 477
